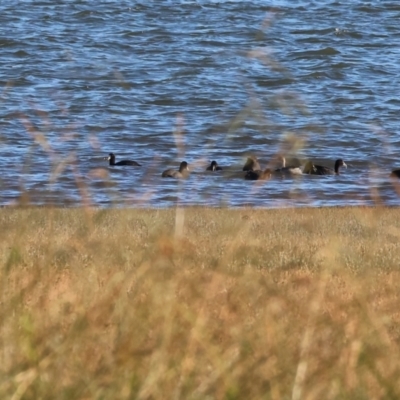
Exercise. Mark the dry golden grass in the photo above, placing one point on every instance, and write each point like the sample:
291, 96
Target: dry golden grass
200, 304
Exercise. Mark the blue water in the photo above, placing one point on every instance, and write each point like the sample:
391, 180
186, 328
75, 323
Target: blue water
165, 81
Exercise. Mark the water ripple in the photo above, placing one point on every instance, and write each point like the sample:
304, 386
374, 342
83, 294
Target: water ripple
198, 80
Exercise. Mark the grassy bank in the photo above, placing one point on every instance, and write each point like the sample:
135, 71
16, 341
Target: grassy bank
200, 304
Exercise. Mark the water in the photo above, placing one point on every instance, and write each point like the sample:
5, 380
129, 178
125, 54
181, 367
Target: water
165, 81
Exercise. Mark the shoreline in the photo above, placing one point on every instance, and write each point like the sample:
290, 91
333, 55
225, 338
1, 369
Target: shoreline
246, 207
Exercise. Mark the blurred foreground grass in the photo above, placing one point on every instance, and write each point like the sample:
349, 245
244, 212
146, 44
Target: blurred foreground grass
200, 304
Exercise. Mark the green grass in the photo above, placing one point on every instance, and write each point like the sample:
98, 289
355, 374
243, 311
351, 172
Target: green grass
200, 303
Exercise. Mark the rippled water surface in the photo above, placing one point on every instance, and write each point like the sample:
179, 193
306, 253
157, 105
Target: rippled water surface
165, 81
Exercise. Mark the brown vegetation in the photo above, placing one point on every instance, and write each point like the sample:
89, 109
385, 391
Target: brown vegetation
200, 303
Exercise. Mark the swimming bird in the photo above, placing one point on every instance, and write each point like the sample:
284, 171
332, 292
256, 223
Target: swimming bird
258, 175
312, 169
183, 171
111, 159
288, 170
214, 167
251, 164
395, 173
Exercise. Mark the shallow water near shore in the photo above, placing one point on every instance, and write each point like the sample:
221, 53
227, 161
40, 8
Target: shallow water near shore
199, 80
